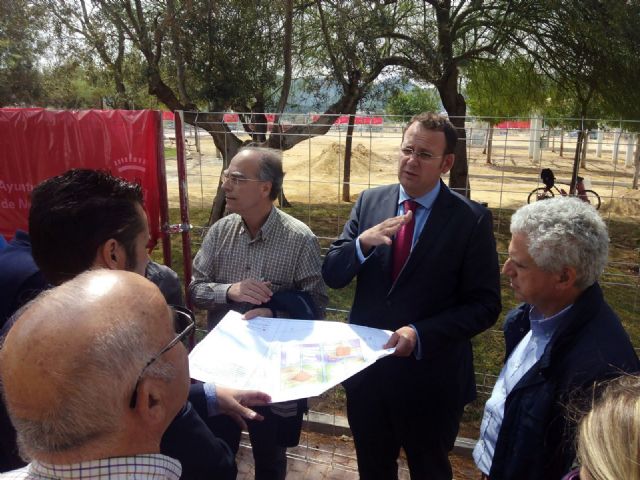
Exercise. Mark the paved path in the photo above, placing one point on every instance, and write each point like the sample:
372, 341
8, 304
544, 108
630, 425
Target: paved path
324, 457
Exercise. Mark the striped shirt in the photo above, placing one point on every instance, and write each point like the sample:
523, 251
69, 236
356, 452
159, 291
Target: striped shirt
139, 467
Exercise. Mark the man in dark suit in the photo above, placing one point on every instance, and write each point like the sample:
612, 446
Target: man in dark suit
427, 268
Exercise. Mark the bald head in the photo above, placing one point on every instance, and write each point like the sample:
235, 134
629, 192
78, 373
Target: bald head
70, 363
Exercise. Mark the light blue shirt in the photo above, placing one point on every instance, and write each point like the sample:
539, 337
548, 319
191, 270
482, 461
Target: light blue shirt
526, 354
211, 395
420, 215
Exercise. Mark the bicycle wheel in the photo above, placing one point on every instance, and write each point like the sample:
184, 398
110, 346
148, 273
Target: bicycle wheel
540, 193
593, 197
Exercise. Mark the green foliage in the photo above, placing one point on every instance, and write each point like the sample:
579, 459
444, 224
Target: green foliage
20, 45
413, 102
68, 86
587, 48
233, 52
509, 89
621, 69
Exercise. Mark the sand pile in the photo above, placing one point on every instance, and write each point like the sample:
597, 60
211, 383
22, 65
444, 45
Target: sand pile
627, 205
331, 160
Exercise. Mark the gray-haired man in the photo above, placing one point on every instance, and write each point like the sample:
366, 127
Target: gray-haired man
245, 260
558, 343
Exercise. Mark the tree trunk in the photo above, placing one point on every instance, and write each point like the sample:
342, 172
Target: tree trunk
489, 144
548, 138
346, 176
576, 162
583, 153
486, 140
282, 200
636, 163
561, 141
259, 124
226, 143
456, 107
218, 206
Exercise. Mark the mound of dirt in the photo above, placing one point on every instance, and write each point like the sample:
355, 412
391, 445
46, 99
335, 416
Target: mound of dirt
331, 160
627, 205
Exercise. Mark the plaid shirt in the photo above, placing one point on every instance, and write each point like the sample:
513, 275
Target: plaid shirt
140, 467
284, 252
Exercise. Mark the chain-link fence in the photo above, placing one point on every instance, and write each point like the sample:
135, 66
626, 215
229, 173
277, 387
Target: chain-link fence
504, 159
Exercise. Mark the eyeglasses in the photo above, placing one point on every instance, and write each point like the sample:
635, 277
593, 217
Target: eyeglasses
184, 323
422, 156
236, 178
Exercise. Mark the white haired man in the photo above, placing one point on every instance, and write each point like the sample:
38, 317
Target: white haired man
561, 340
76, 360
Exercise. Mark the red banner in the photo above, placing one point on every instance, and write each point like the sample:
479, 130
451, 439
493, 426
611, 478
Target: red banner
514, 124
359, 120
36, 144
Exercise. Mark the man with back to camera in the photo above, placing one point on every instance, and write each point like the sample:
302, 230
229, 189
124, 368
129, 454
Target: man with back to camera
86, 219
559, 342
427, 268
248, 261
72, 366
20, 281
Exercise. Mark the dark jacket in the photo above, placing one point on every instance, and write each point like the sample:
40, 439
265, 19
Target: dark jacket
167, 281
536, 439
188, 439
20, 278
20, 281
449, 290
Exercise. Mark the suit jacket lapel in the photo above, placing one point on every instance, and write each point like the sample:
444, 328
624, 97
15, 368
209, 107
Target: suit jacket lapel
387, 208
438, 219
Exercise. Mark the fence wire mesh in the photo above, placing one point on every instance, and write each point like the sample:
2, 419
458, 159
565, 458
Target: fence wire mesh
504, 160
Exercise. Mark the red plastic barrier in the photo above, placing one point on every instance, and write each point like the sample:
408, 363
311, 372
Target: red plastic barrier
515, 124
359, 120
36, 144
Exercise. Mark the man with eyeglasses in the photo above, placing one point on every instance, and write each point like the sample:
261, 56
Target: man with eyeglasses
426, 267
85, 219
92, 393
248, 262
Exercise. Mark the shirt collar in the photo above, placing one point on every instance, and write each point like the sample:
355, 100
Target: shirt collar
425, 200
145, 466
541, 326
265, 230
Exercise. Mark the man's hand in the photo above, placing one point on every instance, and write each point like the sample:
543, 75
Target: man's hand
404, 340
250, 291
258, 312
383, 232
232, 402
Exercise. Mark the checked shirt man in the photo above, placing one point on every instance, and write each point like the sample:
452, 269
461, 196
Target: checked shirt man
245, 258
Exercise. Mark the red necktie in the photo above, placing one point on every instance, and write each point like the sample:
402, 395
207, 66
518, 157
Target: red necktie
404, 239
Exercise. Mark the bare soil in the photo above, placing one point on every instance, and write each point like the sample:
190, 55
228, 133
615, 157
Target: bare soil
314, 171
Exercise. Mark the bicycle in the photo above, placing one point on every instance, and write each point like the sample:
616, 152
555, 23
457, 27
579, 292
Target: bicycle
549, 179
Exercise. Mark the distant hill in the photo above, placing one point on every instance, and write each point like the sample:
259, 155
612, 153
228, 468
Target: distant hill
310, 95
